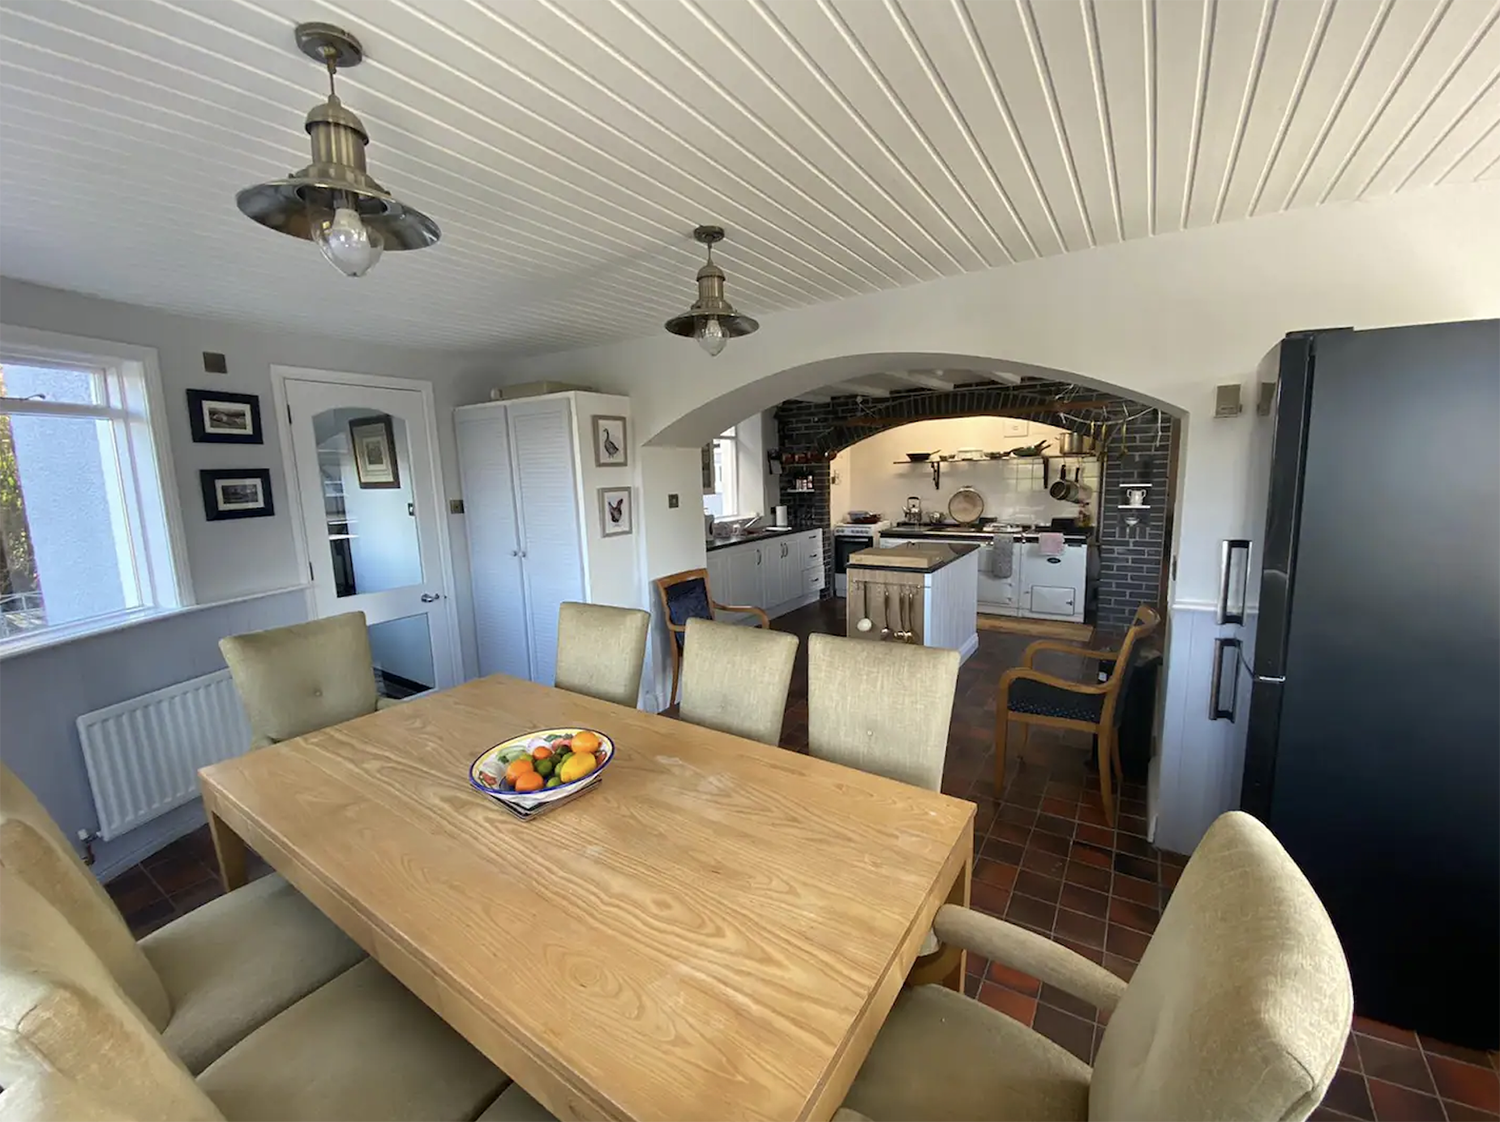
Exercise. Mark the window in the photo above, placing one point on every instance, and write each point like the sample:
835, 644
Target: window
86, 539
724, 501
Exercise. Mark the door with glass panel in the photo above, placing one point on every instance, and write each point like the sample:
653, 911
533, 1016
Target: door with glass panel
369, 503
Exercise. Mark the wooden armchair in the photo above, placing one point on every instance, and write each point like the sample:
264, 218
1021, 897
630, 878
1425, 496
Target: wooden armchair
1034, 698
686, 596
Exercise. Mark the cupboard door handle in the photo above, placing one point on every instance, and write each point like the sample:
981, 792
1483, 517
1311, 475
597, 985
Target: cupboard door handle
1217, 711
1227, 549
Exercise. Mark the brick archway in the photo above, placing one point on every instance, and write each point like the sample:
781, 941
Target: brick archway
1139, 442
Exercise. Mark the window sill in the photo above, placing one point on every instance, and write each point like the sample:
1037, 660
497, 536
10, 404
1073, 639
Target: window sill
119, 621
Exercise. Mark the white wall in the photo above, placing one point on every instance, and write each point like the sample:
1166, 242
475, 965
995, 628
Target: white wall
880, 479
612, 561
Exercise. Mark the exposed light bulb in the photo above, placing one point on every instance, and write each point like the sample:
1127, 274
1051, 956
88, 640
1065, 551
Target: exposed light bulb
350, 245
710, 335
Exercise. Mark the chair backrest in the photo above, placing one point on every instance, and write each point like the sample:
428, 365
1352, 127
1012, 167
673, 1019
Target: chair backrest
61, 1012
1242, 1003
298, 679
33, 849
735, 679
601, 651
881, 707
1146, 621
684, 596
49, 1096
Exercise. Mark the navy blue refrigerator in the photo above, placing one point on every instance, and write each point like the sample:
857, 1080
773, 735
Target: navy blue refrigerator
1373, 749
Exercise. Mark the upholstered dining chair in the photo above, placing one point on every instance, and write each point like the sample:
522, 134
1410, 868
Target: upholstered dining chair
735, 679
1239, 1009
1031, 697
601, 651
205, 980
361, 1046
309, 676
881, 707
686, 596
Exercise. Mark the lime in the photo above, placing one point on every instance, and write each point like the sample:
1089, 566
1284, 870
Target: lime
554, 782
544, 768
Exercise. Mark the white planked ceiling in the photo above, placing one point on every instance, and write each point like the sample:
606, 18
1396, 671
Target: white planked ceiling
568, 147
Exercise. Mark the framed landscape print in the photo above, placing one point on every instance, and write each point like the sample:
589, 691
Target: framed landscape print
610, 448
236, 493
224, 418
374, 444
615, 514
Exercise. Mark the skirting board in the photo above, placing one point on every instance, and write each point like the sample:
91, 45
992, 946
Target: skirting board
1041, 628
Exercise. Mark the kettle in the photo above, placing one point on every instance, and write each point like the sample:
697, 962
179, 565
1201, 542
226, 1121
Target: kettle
913, 509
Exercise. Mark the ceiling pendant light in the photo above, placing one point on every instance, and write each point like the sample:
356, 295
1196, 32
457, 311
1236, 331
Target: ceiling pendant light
333, 201
711, 320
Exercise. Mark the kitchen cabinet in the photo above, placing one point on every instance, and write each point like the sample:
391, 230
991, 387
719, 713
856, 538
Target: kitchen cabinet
743, 584
776, 573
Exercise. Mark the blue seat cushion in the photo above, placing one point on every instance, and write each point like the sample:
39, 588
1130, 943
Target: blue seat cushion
687, 599
1043, 700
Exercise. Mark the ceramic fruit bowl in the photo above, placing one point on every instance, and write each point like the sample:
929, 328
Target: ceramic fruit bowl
541, 767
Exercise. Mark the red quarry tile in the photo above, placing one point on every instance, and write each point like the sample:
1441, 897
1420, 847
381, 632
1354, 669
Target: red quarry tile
1091, 855
1006, 852
1054, 824
1133, 866
1347, 1095
1011, 978
1400, 1104
1089, 876
1033, 913
976, 965
1322, 1113
1119, 965
1009, 1002
1394, 1063
1130, 914
987, 898
1042, 887
1350, 1058
1084, 929
1019, 815
1379, 1029
1466, 1083
1062, 999
1130, 824
1040, 861
1084, 900
995, 872
1092, 813
1073, 1033
1457, 1052
972, 982
1140, 891
1101, 836
1126, 942
1093, 954
1011, 832
1458, 1112
1063, 808
1170, 875
1049, 843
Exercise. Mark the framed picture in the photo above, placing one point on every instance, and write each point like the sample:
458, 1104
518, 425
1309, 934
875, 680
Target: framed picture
615, 514
236, 493
610, 448
374, 444
224, 418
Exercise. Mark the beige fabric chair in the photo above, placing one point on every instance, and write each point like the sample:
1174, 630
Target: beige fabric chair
203, 981
735, 679
1239, 1010
295, 680
601, 651
881, 707
360, 1047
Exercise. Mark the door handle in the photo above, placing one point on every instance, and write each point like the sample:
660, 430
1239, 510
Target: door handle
1225, 649
1227, 551
515, 553
431, 597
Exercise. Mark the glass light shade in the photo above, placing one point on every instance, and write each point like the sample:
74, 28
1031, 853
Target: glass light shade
350, 245
710, 335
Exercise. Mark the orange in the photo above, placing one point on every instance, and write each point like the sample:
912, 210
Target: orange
541, 753
529, 781
519, 768
585, 742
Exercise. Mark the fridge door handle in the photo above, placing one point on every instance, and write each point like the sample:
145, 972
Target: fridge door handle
1231, 606
1225, 650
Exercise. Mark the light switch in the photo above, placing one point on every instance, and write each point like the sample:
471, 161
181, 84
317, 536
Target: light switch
455, 506
672, 502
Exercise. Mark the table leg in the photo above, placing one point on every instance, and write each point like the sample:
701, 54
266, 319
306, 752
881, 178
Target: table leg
230, 849
946, 965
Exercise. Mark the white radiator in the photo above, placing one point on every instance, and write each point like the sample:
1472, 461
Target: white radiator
143, 755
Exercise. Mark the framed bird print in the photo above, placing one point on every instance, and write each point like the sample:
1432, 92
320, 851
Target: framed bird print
615, 514
610, 447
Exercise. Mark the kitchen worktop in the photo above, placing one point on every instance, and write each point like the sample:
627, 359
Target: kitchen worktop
913, 557
712, 544
917, 533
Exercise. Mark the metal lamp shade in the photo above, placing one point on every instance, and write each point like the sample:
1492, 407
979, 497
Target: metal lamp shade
711, 305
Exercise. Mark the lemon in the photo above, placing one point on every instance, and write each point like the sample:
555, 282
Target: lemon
576, 766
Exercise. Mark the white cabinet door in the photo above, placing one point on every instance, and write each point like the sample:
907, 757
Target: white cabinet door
742, 575
541, 438
782, 566
494, 547
716, 577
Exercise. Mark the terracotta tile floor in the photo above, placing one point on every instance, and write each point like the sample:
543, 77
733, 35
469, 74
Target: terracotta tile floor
1045, 859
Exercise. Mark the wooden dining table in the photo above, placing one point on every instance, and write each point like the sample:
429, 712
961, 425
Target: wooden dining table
716, 929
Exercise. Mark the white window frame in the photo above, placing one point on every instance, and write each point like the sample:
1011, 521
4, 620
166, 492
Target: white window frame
136, 405
727, 444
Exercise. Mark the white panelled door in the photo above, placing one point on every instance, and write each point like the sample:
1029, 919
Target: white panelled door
367, 488
500, 630
541, 434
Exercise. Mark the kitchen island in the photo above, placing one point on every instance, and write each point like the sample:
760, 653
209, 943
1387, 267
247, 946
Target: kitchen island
920, 592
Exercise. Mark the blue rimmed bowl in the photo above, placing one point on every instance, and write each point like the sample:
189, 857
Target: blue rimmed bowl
487, 772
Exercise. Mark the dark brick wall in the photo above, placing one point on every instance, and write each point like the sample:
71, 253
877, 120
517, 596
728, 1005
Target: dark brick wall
1130, 566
